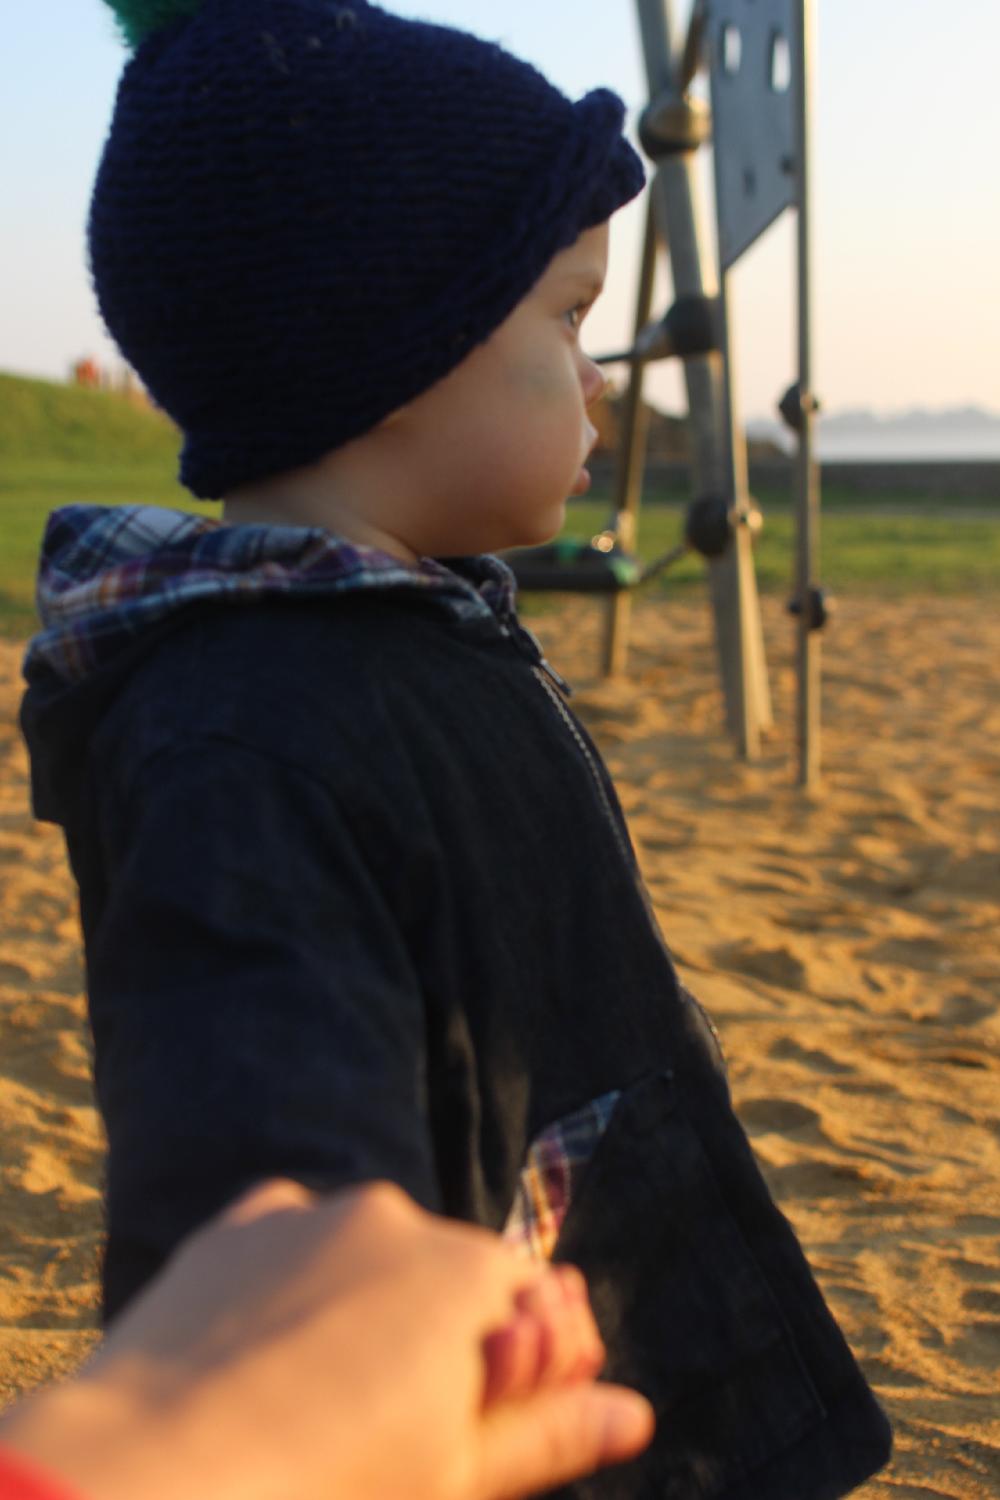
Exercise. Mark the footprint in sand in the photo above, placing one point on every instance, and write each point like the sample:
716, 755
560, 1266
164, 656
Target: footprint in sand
965, 1010
813, 1057
836, 921
931, 955
15, 974
790, 874
756, 887
70, 1170
846, 1002
976, 1059
44, 1047
976, 1270
812, 1181
775, 965
865, 1313
950, 1116
979, 1224
981, 1299
882, 1373
978, 1345
44, 1216
783, 1115
660, 836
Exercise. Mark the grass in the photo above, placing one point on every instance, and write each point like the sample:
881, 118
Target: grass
59, 445
30, 489
897, 549
45, 423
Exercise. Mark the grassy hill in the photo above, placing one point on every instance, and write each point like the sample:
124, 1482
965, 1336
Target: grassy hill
44, 423
60, 444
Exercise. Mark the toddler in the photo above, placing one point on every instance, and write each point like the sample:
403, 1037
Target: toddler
357, 895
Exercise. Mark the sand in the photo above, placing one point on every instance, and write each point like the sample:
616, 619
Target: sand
845, 945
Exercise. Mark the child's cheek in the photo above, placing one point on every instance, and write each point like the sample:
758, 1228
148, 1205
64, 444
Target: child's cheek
536, 379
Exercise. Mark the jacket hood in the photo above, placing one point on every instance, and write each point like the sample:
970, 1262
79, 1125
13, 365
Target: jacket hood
112, 580
108, 576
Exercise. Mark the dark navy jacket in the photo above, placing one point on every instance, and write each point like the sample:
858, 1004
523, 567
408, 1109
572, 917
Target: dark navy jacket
359, 901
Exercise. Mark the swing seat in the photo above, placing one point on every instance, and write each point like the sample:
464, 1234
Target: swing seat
573, 567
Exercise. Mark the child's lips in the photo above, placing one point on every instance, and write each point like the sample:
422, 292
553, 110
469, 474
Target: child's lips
582, 483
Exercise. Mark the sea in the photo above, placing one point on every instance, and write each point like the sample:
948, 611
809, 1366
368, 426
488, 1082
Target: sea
910, 447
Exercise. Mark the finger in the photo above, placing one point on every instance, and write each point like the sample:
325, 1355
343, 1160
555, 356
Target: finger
592, 1352
551, 1340
558, 1436
513, 1356
277, 1195
570, 1345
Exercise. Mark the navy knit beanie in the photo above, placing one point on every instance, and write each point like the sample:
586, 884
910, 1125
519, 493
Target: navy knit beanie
309, 211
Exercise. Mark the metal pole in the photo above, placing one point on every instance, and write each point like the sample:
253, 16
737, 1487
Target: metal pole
631, 460
809, 647
680, 218
715, 451
753, 706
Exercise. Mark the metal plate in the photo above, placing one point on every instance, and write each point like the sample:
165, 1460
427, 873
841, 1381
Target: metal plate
752, 50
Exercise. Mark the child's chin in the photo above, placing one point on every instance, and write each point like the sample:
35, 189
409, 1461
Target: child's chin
541, 524
538, 536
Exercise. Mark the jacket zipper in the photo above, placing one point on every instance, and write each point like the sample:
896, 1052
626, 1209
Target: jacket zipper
546, 679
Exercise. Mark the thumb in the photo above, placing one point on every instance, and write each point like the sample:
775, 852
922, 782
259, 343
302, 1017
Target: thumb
272, 1196
560, 1435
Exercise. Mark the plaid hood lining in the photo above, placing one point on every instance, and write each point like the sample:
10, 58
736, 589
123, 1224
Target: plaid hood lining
108, 574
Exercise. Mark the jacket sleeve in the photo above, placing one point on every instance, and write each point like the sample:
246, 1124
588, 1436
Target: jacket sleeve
254, 1007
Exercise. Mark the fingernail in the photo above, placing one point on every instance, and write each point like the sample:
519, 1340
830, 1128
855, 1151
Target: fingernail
628, 1421
573, 1284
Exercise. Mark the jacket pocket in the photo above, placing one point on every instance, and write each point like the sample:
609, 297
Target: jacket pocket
683, 1306
551, 1174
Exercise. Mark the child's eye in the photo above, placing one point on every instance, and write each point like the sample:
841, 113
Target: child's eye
575, 316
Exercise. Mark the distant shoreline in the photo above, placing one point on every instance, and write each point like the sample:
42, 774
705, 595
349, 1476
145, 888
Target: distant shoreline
966, 436
911, 450
963, 479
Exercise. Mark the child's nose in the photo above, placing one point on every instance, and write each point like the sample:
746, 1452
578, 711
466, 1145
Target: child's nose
593, 380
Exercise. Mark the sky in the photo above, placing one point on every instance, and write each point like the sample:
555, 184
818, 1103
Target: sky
907, 213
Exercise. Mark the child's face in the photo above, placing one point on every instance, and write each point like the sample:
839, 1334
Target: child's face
489, 455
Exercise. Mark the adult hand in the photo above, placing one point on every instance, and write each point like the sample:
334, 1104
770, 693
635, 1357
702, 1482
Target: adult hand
354, 1346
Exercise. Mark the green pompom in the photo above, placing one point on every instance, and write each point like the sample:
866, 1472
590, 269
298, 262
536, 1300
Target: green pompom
138, 19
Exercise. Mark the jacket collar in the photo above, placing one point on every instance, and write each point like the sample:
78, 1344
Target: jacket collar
107, 575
